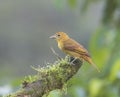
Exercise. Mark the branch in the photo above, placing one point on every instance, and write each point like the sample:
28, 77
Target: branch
49, 78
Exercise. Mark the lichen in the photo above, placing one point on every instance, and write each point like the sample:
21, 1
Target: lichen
51, 77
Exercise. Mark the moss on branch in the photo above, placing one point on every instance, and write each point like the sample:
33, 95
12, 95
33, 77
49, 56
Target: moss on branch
48, 78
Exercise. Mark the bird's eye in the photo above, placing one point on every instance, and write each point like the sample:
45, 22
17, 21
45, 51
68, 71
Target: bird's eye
58, 35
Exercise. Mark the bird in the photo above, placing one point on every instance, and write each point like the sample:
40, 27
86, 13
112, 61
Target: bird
73, 48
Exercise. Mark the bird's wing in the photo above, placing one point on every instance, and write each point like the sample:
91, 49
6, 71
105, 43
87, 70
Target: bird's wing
74, 46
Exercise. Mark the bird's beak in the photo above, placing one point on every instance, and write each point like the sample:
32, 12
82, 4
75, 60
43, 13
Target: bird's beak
53, 37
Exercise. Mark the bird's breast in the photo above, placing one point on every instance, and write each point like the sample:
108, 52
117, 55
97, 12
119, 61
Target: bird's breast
60, 45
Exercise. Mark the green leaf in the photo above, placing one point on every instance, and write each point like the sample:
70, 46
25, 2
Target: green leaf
72, 3
101, 45
115, 71
95, 86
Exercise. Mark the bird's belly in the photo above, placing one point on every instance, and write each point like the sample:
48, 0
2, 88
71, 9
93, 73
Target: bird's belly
73, 54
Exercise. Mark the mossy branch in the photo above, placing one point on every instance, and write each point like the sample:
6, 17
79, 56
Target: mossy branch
49, 78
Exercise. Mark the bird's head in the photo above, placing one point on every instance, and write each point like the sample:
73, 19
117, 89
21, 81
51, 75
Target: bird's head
60, 36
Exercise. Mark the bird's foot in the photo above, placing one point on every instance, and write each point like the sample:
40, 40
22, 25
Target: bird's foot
72, 61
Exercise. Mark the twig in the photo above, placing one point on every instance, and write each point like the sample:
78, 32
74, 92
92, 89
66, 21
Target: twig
58, 57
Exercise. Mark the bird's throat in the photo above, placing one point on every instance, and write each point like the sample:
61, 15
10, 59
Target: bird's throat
60, 45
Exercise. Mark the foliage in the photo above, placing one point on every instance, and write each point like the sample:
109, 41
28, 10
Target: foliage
105, 49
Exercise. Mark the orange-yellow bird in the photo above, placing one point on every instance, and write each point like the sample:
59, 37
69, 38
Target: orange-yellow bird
72, 48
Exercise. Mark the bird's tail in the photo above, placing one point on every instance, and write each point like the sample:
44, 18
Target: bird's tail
89, 60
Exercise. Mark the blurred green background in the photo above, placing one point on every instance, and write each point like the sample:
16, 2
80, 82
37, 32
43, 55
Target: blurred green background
25, 27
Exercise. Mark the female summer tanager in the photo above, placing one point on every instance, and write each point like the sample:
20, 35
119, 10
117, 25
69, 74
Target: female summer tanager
72, 48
